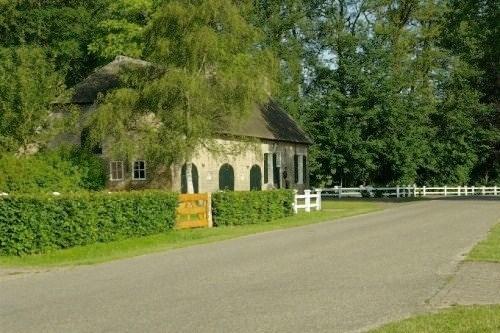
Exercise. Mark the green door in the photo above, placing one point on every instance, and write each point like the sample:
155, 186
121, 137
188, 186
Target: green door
194, 175
226, 178
255, 178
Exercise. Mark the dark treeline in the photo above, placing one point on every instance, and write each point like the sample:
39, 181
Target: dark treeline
391, 91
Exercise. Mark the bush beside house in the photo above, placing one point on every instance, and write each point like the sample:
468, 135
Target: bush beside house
64, 170
237, 208
32, 224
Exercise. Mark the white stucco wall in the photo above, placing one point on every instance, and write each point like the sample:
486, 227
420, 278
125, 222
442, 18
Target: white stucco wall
208, 165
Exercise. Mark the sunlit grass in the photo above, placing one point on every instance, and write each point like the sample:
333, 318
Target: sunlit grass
475, 319
489, 249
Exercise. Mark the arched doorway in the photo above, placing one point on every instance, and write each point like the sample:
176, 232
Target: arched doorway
255, 178
194, 175
226, 178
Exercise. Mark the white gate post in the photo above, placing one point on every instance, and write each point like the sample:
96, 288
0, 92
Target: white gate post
465, 190
424, 191
473, 190
340, 192
459, 190
318, 199
295, 202
414, 190
397, 191
445, 191
308, 200
483, 190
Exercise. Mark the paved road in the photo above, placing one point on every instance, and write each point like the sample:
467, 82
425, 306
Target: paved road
345, 276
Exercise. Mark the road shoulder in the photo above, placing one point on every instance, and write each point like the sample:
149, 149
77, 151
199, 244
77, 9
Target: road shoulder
475, 283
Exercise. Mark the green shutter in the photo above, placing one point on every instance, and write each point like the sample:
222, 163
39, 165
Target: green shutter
226, 178
296, 167
266, 168
304, 166
255, 178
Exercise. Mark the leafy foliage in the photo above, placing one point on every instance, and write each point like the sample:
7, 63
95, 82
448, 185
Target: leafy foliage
28, 84
65, 170
36, 224
207, 72
236, 208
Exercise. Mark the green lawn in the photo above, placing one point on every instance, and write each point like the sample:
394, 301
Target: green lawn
102, 252
476, 319
489, 249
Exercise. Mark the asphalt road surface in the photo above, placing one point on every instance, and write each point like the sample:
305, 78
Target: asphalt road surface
345, 276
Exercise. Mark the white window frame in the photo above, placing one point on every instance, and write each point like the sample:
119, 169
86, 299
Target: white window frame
113, 164
139, 169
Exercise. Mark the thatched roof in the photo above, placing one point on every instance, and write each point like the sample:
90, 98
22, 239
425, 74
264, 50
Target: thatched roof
269, 121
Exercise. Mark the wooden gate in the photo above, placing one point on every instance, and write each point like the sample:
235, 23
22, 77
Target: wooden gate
194, 211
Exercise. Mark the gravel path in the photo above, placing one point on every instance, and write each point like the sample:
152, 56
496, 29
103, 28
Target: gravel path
345, 276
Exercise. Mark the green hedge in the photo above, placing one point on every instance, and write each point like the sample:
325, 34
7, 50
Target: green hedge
32, 224
236, 208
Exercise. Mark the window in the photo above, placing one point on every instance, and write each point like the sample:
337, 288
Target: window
139, 172
255, 178
116, 170
226, 178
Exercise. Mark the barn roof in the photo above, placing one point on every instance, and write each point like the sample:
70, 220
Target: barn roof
269, 121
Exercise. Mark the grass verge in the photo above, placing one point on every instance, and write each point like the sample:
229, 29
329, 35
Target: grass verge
489, 249
103, 252
477, 319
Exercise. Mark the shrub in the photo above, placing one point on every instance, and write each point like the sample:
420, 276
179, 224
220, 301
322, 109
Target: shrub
64, 170
35, 224
236, 208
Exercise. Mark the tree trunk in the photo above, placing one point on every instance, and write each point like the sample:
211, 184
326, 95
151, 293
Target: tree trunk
189, 177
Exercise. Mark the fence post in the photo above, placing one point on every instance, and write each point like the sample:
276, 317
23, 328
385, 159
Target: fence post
209, 211
397, 191
414, 190
483, 190
465, 190
424, 191
308, 200
445, 191
295, 201
495, 191
340, 192
318, 199
459, 189
473, 188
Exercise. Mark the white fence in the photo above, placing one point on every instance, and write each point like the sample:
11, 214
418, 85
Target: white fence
307, 201
410, 191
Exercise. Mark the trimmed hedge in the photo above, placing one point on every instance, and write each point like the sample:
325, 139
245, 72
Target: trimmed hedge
32, 224
237, 208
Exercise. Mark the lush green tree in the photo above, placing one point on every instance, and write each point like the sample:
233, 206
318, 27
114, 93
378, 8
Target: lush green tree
63, 29
208, 71
28, 84
122, 29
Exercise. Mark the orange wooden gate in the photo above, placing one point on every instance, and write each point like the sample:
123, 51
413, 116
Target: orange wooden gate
194, 211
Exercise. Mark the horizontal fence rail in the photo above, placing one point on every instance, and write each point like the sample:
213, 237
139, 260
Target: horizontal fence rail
307, 201
409, 191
